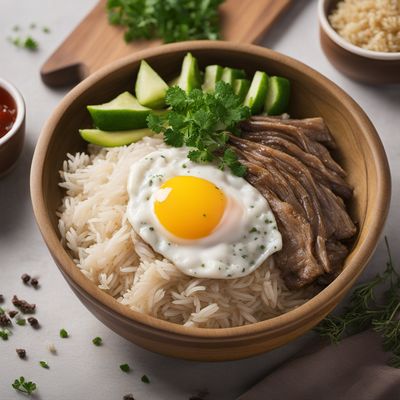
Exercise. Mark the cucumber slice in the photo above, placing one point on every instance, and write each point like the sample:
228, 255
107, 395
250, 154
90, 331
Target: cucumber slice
190, 77
230, 74
241, 88
213, 74
122, 113
278, 94
114, 139
150, 88
257, 93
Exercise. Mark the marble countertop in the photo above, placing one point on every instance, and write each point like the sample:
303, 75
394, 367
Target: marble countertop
81, 370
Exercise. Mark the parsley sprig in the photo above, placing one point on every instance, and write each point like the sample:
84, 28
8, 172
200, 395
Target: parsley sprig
23, 386
172, 20
366, 311
201, 121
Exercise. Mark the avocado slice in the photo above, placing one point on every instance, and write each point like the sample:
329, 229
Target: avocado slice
190, 77
122, 113
114, 139
257, 93
213, 74
150, 88
241, 88
230, 74
278, 95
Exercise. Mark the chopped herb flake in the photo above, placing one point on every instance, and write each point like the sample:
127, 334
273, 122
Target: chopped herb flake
44, 364
97, 341
63, 333
4, 334
21, 322
145, 379
124, 367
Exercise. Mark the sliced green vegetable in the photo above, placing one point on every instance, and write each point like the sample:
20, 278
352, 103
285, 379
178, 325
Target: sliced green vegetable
122, 113
150, 88
229, 75
114, 138
190, 77
257, 93
241, 88
278, 95
213, 74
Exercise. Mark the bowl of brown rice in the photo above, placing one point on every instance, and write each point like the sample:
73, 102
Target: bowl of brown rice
361, 38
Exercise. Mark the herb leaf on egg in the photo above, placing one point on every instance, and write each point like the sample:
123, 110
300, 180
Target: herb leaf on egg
202, 120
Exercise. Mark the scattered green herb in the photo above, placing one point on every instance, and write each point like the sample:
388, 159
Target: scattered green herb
124, 367
201, 120
366, 311
21, 322
145, 379
44, 364
4, 333
2, 311
30, 43
45, 29
25, 387
97, 341
63, 333
16, 28
172, 20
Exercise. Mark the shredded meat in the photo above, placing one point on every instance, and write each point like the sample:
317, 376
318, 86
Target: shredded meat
287, 161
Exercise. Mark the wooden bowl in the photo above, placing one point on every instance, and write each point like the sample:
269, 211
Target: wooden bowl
360, 64
360, 153
12, 142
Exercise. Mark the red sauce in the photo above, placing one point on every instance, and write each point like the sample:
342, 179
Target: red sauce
8, 112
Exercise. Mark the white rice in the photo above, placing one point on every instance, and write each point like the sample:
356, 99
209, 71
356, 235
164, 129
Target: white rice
94, 228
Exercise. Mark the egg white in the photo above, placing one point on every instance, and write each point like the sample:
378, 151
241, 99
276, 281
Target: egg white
245, 237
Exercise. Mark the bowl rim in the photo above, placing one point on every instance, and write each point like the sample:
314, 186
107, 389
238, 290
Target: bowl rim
340, 41
20, 104
290, 319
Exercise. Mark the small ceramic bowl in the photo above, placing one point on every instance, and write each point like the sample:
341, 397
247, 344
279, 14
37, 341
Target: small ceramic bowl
363, 65
360, 152
12, 142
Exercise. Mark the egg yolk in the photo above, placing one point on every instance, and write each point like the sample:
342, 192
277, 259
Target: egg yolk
191, 207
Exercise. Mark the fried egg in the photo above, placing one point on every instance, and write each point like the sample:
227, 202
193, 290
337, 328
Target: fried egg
208, 222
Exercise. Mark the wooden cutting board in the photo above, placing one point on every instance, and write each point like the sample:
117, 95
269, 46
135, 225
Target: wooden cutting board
94, 43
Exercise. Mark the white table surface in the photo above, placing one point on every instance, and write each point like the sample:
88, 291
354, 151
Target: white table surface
80, 370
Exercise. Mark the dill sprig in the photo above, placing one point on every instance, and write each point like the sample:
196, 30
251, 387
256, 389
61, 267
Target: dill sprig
366, 311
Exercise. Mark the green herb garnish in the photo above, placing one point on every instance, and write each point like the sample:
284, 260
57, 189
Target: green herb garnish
4, 333
97, 341
201, 120
145, 379
30, 43
21, 322
171, 21
44, 364
2, 311
63, 333
366, 311
125, 367
45, 29
25, 387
